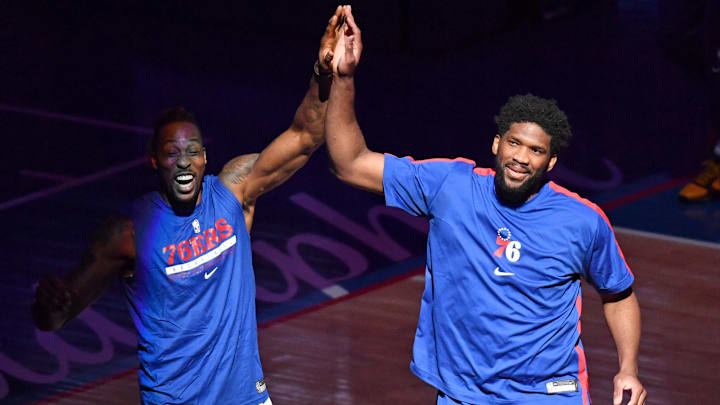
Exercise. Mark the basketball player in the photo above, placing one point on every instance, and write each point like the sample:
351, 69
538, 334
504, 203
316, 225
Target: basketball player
185, 258
500, 315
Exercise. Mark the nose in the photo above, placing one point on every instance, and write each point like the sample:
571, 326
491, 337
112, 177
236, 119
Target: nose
183, 161
522, 156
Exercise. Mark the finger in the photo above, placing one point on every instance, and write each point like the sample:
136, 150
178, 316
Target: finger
43, 298
643, 397
635, 395
350, 19
340, 24
48, 291
328, 57
332, 22
49, 298
57, 283
617, 394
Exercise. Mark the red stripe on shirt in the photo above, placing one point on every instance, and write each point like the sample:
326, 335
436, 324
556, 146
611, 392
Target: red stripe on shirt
596, 208
583, 375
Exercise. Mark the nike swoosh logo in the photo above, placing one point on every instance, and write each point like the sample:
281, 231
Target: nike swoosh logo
502, 273
208, 275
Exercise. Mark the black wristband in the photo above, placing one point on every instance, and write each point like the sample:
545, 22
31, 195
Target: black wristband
316, 70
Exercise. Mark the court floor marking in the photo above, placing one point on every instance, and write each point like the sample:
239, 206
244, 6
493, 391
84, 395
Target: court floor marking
75, 118
75, 182
46, 176
678, 239
72, 183
416, 275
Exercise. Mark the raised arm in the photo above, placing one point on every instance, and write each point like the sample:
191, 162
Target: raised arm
623, 319
293, 147
352, 161
111, 254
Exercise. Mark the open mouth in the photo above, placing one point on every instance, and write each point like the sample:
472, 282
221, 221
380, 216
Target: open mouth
184, 179
185, 182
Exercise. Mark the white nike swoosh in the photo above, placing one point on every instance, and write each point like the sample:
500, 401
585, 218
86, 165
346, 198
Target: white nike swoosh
208, 275
502, 273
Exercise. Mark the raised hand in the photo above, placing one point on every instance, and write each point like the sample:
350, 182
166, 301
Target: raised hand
349, 46
628, 382
329, 40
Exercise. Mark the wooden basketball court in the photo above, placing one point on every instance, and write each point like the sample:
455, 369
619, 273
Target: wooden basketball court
356, 350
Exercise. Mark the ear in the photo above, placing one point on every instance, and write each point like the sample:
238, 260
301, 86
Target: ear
551, 163
204, 155
153, 162
496, 144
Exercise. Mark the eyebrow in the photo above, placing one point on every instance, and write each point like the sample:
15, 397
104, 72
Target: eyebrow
170, 141
517, 139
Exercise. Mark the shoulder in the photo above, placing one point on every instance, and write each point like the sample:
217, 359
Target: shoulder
433, 165
581, 209
236, 171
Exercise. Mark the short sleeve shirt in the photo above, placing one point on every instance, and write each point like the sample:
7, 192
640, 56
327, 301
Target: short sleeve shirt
499, 317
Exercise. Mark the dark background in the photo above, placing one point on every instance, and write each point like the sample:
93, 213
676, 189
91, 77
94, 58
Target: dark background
629, 74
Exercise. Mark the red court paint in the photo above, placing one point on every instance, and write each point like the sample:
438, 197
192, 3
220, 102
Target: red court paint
83, 388
643, 193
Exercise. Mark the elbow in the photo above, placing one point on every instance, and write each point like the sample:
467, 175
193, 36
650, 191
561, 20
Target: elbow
341, 172
308, 140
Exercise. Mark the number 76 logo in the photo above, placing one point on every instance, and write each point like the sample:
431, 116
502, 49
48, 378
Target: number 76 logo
510, 248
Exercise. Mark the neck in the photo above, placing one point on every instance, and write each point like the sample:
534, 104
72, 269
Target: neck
182, 208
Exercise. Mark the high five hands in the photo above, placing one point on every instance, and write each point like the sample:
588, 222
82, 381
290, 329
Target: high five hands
348, 47
329, 40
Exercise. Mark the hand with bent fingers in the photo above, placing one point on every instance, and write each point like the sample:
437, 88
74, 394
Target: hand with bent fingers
628, 382
349, 47
53, 295
329, 40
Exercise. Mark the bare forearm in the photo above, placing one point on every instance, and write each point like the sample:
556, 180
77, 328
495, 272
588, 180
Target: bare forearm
623, 319
344, 138
309, 117
85, 290
110, 254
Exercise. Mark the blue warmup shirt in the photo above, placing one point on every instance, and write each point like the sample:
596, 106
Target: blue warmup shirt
500, 316
192, 298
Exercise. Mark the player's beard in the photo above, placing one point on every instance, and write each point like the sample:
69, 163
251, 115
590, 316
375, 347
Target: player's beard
516, 196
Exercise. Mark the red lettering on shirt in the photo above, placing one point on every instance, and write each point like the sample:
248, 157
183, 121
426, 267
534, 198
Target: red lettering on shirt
503, 244
197, 245
224, 229
211, 238
171, 258
184, 250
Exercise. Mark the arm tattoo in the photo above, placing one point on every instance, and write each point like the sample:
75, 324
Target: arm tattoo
237, 169
313, 115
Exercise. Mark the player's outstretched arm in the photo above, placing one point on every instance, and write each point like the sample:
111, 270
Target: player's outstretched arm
111, 254
352, 161
623, 319
293, 147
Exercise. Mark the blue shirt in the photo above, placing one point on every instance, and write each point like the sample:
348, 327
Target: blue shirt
192, 299
500, 314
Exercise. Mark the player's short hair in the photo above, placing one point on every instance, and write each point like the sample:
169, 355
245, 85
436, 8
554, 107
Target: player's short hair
538, 110
168, 116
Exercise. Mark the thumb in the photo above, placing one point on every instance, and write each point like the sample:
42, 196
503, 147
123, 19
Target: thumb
618, 394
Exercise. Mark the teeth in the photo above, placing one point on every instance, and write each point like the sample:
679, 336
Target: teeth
185, 177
